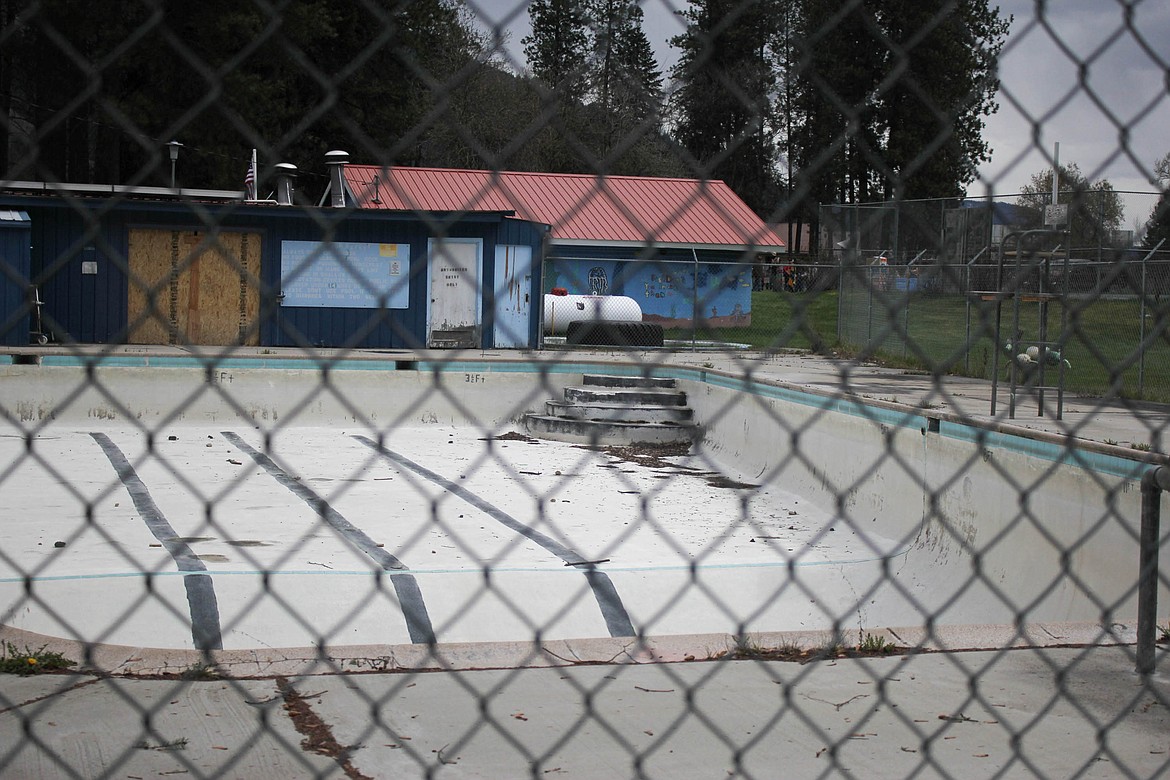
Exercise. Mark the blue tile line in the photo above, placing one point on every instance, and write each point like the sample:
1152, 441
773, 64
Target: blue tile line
680, 567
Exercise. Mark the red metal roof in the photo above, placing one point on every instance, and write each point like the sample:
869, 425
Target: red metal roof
578, 207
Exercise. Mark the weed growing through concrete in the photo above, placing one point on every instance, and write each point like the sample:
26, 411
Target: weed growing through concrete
748, 646
876, 644
788, 650
177, 744
27, 661
200, 671
831, 649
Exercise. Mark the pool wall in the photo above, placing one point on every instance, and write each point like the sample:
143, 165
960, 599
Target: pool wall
267, 395
977, 525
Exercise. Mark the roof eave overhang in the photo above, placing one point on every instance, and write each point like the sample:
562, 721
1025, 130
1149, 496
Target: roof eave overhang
669, 245
177, 193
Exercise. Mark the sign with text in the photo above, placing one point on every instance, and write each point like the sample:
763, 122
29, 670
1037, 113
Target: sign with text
345, 274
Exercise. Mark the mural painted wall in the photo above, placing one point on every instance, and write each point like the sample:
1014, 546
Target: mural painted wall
668, 292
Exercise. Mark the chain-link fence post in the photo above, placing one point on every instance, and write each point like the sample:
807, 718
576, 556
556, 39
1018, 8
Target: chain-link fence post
1154, 482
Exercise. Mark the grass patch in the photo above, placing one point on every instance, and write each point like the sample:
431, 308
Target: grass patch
949, 334
954, 334
28, 661
779, 321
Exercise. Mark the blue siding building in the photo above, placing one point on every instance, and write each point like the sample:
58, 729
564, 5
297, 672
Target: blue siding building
15, 258
199, 267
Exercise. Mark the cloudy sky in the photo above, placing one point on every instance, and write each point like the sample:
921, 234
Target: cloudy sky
1113, 121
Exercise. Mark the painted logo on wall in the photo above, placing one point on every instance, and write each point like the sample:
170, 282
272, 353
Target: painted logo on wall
598, 281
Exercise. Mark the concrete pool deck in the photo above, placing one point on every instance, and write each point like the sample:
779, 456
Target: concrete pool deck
881, 717
1061, 712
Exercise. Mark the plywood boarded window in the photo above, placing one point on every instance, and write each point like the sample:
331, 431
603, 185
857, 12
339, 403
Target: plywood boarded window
193, 287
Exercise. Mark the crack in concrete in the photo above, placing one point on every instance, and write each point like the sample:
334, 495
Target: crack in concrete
49, 695
318, 734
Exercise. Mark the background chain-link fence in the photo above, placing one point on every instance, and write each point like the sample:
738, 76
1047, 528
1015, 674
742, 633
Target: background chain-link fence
307, 471
935, 296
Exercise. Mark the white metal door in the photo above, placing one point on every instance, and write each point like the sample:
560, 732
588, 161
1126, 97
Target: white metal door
453, 313
513, 297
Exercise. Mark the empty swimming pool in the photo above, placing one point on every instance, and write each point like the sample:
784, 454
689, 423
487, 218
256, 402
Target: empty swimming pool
259, 504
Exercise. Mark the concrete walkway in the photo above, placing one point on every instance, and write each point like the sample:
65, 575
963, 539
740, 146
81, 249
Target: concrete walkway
656, 711
1006, 714
1110, 422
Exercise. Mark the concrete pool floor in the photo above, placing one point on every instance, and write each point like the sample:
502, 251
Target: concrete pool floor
820, 719
503, 537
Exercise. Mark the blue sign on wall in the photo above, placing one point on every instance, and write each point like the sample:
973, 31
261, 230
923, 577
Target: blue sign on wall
345, 274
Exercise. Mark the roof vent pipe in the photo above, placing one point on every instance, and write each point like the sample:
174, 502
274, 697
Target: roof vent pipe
286, 174
336, 161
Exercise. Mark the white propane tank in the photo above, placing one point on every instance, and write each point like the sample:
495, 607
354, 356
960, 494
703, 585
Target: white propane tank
560, 310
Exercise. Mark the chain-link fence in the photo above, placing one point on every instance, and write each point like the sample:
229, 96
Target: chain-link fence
636, 395
962, 287
1106, 337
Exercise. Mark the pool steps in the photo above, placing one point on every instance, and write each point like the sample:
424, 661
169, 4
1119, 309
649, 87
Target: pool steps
617, 411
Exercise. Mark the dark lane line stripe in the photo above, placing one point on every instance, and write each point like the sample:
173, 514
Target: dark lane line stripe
201, 601
612, 609
410, 598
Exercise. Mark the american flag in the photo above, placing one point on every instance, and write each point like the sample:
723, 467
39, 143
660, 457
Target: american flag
250, 179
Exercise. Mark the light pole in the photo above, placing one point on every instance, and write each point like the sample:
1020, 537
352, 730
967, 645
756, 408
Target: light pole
173, 148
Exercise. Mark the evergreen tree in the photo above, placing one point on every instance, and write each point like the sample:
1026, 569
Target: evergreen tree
725, 88
93, 91
1157, 227
104, 85
888, 97
626, 85
61, 68
945, 56
604, 88
558, 48
830, 66
834, 78
626, 79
